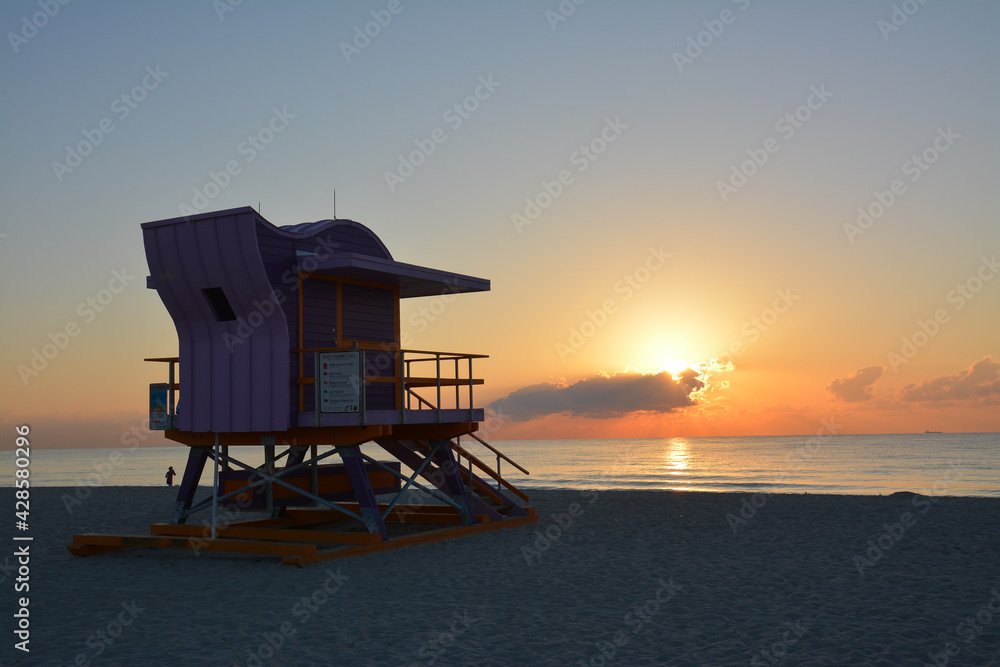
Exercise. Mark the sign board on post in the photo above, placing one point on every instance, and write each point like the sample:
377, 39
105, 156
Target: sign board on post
159, 419
340, 381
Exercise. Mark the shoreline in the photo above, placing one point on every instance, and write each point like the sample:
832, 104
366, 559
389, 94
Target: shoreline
681, 578
528, 488
170, 443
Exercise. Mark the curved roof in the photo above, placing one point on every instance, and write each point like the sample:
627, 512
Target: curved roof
342, 248
339, 227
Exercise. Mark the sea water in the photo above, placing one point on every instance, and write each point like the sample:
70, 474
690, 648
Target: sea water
966, 464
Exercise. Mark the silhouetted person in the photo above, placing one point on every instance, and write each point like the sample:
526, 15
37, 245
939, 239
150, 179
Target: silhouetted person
170, 476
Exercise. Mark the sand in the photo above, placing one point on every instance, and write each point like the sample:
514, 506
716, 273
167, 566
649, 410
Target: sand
604, 577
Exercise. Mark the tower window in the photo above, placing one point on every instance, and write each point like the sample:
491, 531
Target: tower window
219, 304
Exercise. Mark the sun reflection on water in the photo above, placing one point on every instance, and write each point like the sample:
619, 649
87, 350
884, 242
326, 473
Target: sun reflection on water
676, 456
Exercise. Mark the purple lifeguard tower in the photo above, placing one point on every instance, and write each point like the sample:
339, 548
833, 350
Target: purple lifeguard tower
289, 340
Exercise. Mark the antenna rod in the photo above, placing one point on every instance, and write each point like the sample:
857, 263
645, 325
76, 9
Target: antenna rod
335, 203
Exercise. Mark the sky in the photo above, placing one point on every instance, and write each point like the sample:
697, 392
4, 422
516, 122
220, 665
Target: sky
699, 219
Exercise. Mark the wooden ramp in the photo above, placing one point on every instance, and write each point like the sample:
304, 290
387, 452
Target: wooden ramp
304, 536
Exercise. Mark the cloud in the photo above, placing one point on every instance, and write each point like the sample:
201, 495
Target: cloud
858, 387
603, 396
981, 381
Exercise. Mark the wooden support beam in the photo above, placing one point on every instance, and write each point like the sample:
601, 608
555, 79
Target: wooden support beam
272, 534
432, 431
428, 537
99, 543
294, 545
444, 382
299, 435
189, 483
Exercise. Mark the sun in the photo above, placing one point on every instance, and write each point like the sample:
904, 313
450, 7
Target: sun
661, 351
674, 367
678, 366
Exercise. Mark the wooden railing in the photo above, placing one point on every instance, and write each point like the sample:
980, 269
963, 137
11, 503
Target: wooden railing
404, 378
495, 474
411, 382
408, 384
471, 480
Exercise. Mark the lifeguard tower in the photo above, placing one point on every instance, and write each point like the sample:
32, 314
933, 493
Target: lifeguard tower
289, 342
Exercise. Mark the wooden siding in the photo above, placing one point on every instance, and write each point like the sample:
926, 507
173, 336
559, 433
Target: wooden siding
369, 314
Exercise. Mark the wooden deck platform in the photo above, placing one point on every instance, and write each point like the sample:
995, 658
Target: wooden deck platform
303, 536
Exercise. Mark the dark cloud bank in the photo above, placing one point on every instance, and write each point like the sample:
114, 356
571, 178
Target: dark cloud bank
603, 397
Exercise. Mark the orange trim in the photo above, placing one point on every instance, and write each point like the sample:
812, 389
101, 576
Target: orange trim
428, 537
445, 355
340, 313
300, 435
349, 345
302, 391
443, 431
445, 382
293, 553
276, 534
396, 357
91, 544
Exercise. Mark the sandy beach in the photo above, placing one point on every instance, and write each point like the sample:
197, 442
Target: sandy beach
604, 577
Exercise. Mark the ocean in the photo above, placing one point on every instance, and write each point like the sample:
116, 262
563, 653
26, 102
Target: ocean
965, 464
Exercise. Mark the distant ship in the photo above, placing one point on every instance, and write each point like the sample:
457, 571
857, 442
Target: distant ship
933, 431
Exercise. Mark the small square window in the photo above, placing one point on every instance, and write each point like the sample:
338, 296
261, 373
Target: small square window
219, 303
